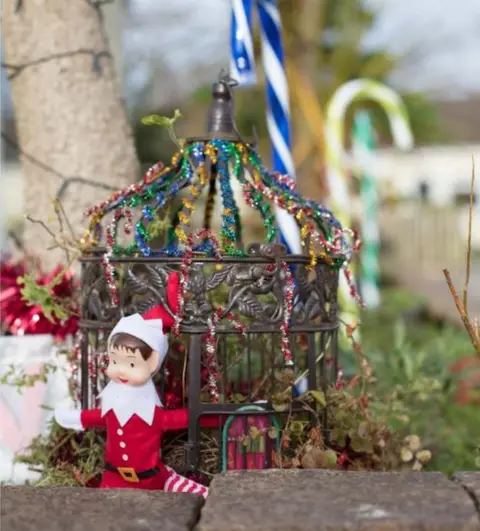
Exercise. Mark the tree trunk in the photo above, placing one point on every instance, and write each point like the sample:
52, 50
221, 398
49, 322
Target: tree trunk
74, 136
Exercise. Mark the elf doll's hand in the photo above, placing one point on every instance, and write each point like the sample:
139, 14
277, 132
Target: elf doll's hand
69, 418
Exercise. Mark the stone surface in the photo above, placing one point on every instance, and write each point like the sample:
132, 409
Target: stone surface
470, 481
78, 509
317, 500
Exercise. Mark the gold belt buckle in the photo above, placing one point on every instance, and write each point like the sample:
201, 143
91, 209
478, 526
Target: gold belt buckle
128, 474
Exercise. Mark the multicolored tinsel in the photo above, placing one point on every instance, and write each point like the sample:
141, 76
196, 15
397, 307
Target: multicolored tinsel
260, 187
19, 318
135, 207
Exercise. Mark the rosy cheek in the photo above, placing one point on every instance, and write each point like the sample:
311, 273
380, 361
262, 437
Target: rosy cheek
112, 370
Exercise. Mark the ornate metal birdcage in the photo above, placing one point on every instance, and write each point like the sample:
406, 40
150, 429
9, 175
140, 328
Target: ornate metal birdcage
248, 311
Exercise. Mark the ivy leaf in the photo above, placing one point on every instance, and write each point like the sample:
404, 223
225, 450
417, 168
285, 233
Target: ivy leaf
280, 406
319, 397
339, 436
239, 398
296, 428
361, 446
272, 432
329, 459
363, 430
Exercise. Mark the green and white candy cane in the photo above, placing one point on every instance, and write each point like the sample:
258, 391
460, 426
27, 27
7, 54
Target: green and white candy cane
339, 163
363, 150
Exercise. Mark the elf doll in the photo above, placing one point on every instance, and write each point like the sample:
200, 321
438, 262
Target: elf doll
131, 411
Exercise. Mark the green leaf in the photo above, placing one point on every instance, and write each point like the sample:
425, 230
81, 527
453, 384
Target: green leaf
319, 397
363, 430
280, 406
329, 459
239, 398
296, 427
162, 121
272, 432
361, 445
339, 436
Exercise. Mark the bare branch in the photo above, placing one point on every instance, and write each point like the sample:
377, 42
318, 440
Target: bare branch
463, 312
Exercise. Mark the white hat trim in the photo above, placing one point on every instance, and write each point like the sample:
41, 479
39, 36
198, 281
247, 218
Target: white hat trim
149, 331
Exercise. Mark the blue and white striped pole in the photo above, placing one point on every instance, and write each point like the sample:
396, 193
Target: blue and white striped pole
242, 69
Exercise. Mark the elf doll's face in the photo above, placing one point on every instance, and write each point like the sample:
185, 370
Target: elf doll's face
129, 366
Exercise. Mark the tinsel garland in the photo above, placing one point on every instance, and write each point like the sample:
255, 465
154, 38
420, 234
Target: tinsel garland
20, 318
322, 234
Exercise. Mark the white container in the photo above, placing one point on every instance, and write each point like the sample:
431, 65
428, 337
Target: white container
24, 413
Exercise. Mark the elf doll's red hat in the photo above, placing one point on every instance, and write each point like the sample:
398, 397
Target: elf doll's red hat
153, 326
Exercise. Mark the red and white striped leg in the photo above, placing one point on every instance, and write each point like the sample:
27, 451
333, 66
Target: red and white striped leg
178, 483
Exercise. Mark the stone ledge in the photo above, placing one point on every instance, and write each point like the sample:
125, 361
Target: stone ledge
78, 509
270, 500
319, 500
470, 481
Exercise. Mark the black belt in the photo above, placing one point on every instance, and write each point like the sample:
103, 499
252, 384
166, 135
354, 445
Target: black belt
130, 475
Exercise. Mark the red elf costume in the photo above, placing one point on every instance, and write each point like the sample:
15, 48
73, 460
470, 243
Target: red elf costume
131, 411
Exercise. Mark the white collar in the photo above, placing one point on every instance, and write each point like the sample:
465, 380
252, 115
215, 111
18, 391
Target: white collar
127, 400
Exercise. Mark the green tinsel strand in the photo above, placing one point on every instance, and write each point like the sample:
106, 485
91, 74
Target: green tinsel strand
143, 231
232, 251
130, 249
237, 163
134, 201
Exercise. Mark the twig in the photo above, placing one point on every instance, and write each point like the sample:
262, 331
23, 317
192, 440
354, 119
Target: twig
67, 221
469, 237
42, 224
463, 312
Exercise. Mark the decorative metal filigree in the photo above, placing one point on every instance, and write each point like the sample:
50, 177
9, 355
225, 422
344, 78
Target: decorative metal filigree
249, 287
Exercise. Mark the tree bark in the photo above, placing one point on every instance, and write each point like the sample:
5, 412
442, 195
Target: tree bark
71, 122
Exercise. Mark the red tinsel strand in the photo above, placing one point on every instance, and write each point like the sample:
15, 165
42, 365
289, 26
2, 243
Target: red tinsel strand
148, 177
185, 266
287, 313
353, 290
210, 359
210, 342
75, 364
339, 235
285, 179
108, 269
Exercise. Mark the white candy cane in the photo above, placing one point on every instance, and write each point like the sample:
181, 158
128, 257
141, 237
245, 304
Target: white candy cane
338, 163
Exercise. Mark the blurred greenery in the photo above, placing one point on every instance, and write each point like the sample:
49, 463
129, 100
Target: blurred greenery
411, 356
